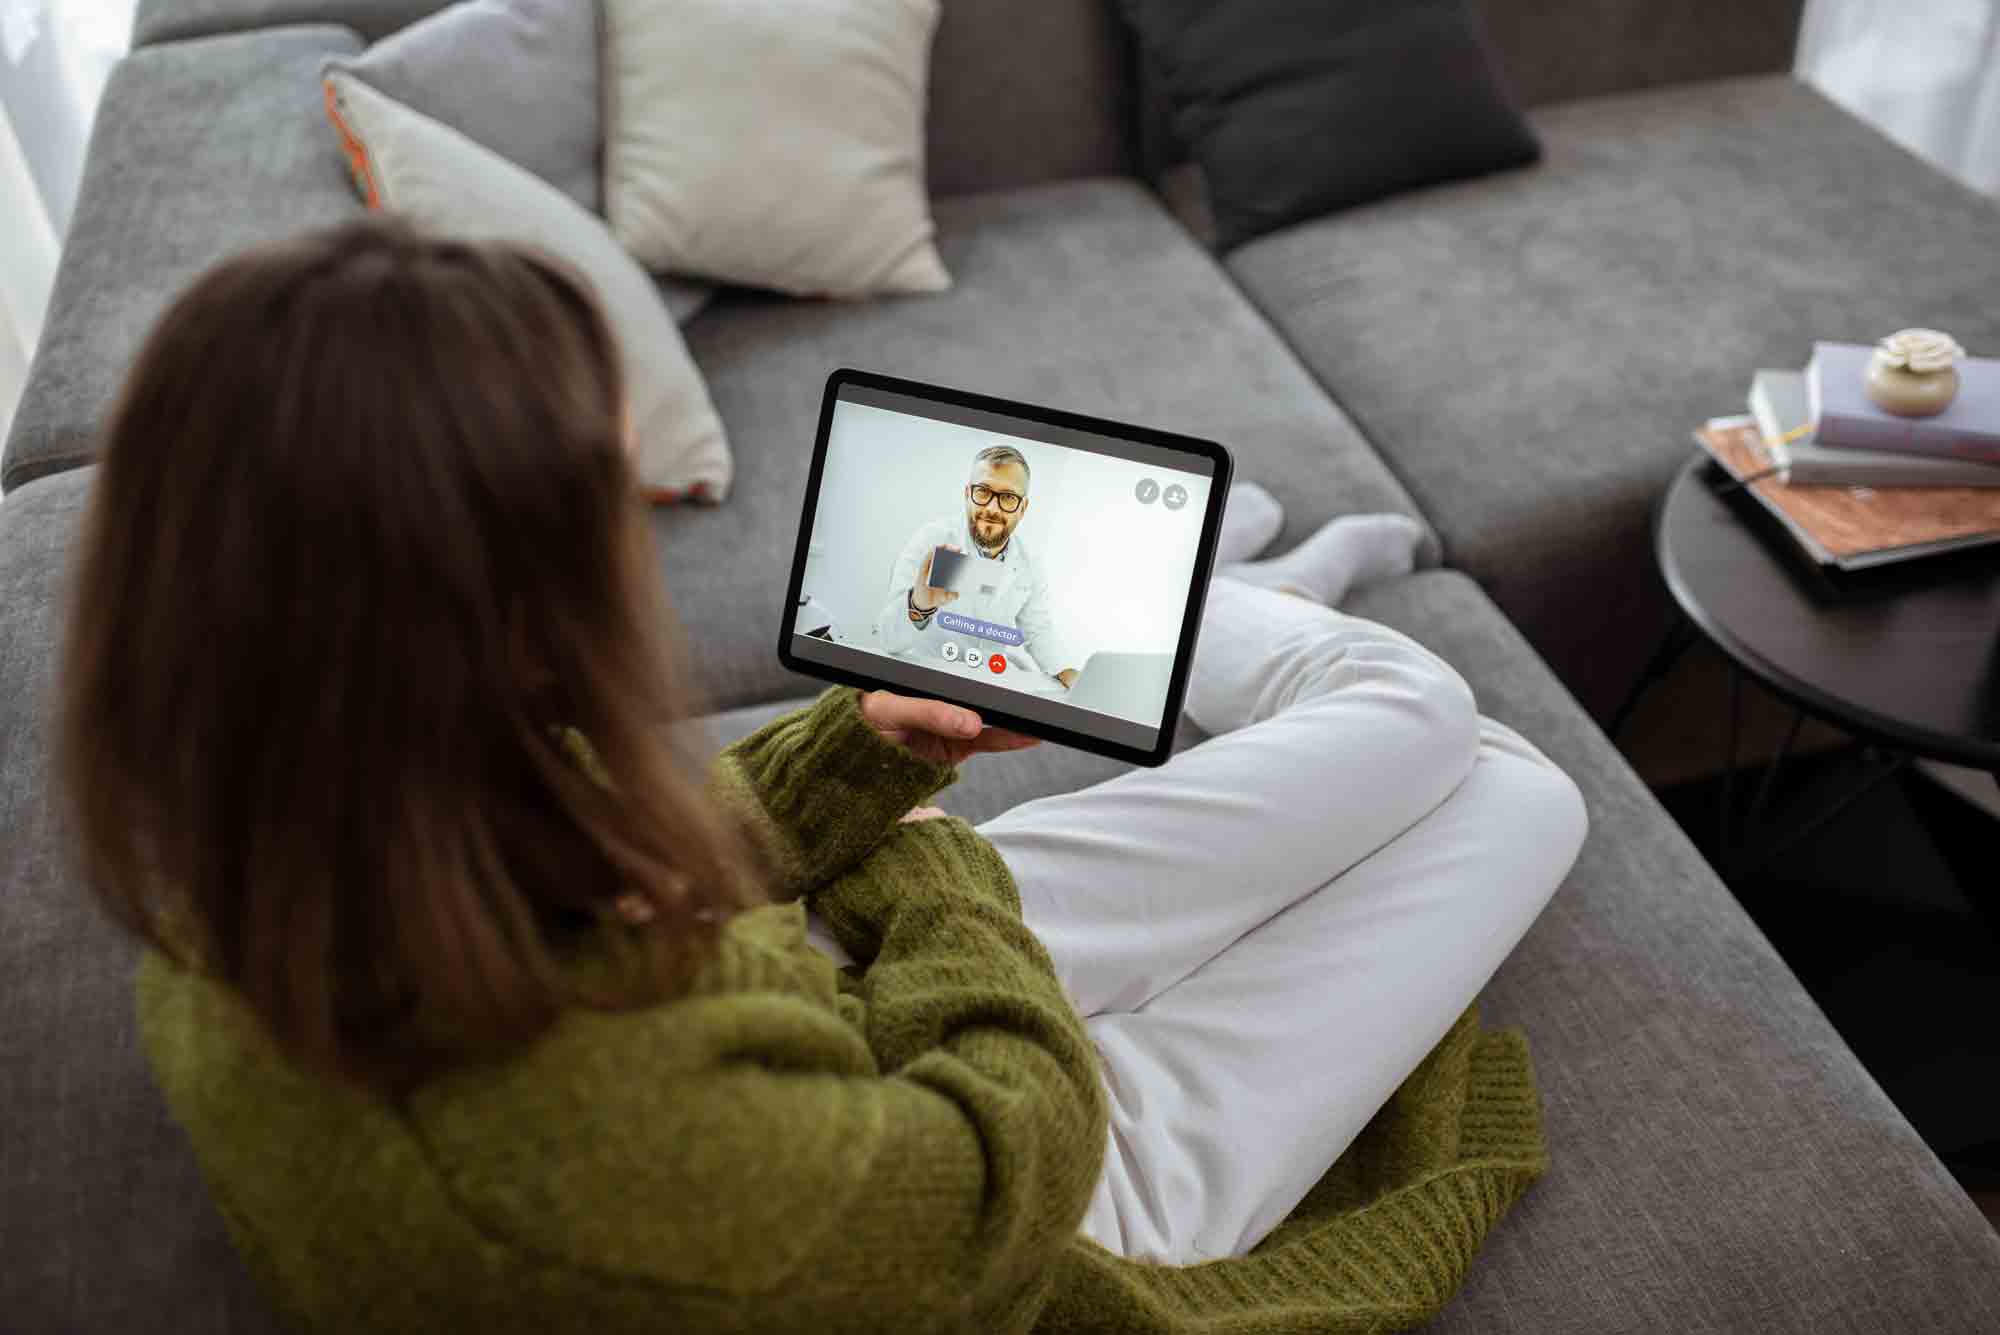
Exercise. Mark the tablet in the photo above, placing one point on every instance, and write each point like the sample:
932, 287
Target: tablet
1041, 567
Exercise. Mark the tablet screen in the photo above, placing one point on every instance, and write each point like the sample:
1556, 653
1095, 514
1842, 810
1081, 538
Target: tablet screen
1063, 560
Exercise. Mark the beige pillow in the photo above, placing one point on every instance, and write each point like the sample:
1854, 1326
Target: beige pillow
773, 143
431, 173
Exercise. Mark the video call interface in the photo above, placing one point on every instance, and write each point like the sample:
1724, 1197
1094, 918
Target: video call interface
1039, 569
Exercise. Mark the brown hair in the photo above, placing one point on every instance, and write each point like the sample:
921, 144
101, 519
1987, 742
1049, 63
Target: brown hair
363, 535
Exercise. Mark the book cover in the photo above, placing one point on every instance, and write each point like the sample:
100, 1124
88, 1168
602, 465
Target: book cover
1844, 417
1853, 528
1778, 401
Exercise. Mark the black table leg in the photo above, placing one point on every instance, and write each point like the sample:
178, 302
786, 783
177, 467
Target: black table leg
1681, 636
1897, 762
1755, 818
1722, 843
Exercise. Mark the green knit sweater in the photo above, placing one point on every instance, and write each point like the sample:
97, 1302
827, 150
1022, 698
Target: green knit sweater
905, 1147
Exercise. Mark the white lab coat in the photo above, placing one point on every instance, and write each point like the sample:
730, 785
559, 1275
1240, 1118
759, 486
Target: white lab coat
1011, 590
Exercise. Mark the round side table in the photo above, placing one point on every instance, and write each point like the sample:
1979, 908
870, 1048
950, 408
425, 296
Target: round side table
1905, 657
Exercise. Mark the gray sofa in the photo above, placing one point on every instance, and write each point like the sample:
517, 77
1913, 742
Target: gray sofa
1516, 359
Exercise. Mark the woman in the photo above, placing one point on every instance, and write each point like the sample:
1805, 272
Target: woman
483, 1009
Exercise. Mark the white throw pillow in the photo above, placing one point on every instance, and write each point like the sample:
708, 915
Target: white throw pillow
434, 175
773, 143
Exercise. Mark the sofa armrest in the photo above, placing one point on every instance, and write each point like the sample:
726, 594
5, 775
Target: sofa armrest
1557, 50
199, 149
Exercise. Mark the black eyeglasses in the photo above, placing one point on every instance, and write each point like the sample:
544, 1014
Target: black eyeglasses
981, 494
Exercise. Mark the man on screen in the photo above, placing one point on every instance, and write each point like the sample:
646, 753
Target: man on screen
1004, 585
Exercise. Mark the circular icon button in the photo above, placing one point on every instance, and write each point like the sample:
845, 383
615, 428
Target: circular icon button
950, 652
998, 663
1174, 497
1148, 491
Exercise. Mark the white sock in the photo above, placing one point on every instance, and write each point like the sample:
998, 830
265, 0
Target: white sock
1346, 553
1250, 519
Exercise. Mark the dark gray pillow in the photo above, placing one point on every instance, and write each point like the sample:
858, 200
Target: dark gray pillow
516, 76
1295, 108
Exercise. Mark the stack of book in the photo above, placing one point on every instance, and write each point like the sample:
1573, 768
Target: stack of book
1856, 486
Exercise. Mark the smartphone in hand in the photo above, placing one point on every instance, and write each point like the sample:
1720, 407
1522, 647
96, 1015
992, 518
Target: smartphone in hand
947, 569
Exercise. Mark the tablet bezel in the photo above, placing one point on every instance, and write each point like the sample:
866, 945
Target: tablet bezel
1223, 467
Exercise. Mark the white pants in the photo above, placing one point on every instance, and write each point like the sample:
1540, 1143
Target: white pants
1266, 934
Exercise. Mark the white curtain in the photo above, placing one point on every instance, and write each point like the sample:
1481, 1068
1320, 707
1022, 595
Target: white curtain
54, 57
27, 260
1924, 72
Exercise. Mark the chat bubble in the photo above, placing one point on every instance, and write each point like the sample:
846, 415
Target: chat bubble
985, 630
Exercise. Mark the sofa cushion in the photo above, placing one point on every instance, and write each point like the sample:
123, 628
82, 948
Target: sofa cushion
107, 1226
1082, 295
1721, 1162
1022, 93
1580, 318
199, 149
1557, 52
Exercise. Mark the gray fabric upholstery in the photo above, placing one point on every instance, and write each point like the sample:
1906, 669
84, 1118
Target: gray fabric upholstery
1082, 295
1019, 93
107, 1226
1583, 48
1027, 92
179, 119
1721, 1161
1531, 351
199, 149
178, 20
1023, 93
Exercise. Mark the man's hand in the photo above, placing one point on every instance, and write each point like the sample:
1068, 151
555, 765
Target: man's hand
1067, 677
935, 731
925, 598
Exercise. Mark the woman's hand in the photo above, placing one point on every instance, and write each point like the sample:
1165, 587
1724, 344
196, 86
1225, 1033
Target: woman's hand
938, 732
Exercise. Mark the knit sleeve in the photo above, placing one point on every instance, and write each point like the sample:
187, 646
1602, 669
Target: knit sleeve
822, 787
915, 1158
993, 1116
